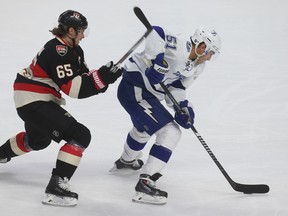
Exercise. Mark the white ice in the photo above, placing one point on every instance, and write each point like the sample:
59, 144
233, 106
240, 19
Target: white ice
241, 105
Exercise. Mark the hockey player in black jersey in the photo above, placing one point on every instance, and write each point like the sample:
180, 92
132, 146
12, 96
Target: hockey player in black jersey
58, 67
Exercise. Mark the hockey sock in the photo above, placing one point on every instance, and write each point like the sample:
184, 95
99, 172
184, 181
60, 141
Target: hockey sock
158, 158
68, 160
161, 152
135, 142
15, 146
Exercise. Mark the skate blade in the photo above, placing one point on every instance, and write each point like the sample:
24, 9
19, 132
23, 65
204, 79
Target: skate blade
148, 199
123, 171
114, 169
54, 200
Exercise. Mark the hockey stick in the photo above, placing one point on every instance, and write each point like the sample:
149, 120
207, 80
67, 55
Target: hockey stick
245, 188
138, 12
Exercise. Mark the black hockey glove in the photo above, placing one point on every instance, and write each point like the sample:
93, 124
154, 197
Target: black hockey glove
104, 76
107, 75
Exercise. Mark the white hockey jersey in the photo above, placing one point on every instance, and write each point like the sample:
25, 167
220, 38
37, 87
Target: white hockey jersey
176, 49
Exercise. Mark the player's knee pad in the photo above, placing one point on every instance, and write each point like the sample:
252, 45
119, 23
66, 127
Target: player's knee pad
38, 143
168, 136
141, 137
79, 134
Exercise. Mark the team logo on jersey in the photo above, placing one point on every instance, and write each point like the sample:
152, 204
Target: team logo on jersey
188, 66
179, 75
61, 50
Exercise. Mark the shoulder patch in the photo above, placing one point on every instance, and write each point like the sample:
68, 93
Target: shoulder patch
61, 50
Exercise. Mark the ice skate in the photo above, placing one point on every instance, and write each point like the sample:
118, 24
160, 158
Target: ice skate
146, 191
57, 193
121, 164
4, 160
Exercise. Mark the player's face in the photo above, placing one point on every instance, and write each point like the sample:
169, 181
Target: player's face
204, 54
79, 36
200, 50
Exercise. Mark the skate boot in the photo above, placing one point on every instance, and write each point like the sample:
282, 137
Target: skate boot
57, 193
122, 164
146, 191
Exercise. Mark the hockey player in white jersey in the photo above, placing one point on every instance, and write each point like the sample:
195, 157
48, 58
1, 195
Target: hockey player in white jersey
175, 60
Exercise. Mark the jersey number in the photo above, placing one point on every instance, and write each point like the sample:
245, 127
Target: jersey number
64, 70
171, 42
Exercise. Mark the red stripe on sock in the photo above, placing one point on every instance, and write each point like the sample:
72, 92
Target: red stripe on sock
20, 142
72, 149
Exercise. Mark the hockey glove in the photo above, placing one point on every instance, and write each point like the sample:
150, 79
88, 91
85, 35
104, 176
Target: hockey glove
157, 71
103, 77
185, 118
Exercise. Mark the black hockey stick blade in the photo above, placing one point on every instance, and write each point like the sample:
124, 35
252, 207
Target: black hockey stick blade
244, 188
250, 189
138, 12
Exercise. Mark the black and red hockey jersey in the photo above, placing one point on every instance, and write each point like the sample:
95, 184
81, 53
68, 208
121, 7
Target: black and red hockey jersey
57, 67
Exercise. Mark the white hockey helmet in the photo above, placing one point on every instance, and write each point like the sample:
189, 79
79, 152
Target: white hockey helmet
209, 37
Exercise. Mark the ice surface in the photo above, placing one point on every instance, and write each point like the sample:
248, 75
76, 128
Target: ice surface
241, 105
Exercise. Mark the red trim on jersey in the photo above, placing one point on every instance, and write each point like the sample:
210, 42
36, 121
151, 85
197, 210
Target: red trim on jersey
72, 149
38, 71
36, 88
20, 142
67, 87
62, 41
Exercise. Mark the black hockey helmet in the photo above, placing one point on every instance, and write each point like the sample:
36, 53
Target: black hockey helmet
71, 18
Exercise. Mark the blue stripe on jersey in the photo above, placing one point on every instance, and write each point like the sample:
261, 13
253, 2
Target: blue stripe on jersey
133, 144
161, 153
134, 78
177, 84
160, 31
